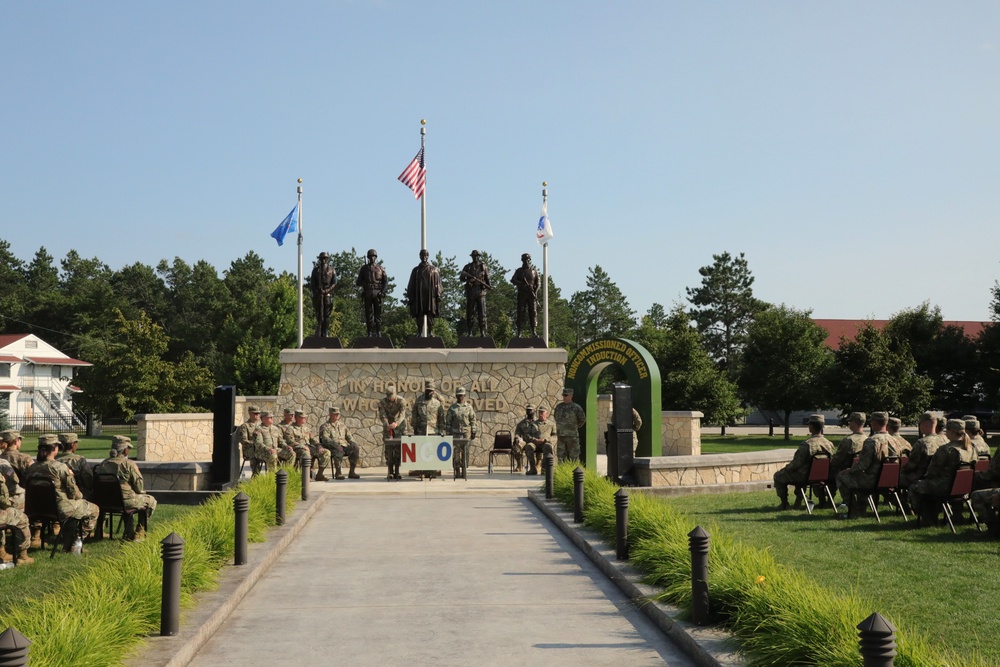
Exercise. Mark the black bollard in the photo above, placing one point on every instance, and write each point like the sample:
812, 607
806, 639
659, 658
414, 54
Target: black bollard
770, 427
621, 524
241, 507
306, 462
14, 648
578, 476
172, 550
698, 541
877, 637
280, 495
550, 464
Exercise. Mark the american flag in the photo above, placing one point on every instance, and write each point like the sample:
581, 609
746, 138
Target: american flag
415, 175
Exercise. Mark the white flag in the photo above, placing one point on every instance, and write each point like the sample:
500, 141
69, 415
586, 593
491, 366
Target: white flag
544, 231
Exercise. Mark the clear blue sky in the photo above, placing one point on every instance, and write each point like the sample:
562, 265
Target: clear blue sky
850, 149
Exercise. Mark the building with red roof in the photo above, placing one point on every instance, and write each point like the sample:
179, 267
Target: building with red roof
36, 383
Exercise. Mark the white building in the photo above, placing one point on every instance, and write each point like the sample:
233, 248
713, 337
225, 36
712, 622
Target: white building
36, 383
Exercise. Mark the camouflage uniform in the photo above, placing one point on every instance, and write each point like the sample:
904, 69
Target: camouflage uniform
847, 449
10, 479
797, 470
569, 418
130, 479
460, 422
17, 459
13, 516
426, 410
333, 436
69, 501
392, 410
245, 435
985, 503
78, 464
864, 474
269, 446
903, 445
940, 474
300, 438
975, 437
990, 477
546, 429
526, 436
920, 458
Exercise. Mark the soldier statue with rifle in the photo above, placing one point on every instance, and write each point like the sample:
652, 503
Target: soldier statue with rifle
476, 277
526, 281
322, 282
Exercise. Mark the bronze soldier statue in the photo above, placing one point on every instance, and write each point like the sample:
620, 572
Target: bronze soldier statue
476, 277
423, 294
322, 282
526, 281
373, 283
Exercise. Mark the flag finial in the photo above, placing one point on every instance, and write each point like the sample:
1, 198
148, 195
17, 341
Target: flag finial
423, 121
300, 180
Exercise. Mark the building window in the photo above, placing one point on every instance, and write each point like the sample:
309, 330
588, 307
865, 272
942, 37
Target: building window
4, 370
31, 344
54, 398
4, 401
55, 372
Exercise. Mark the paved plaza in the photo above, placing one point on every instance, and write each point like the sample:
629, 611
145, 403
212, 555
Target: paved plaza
435, 572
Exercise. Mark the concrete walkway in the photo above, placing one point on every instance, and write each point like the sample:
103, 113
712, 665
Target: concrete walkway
442, 573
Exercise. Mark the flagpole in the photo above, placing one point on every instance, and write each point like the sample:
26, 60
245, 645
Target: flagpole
300, 261
423, 213
545, 274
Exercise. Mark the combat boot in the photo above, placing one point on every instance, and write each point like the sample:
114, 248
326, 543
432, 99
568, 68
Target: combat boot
389, 475
23, 558
797, 505
338, 474
784, 504
36, 537
320, 477
4, 556
352, 474
140, 534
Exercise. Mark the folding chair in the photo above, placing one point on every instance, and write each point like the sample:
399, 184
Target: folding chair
108, 498
819, 474
961, 487
503, 445
887, 483
982, 464
41, 504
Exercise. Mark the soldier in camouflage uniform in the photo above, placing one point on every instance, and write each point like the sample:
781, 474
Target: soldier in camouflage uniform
797, 470
335, 437
546, 429
392, 413
570, 418
941, 471
427, 409
847, 449
68, 442
863, 474
526, 435
460, 421
10, 477
17, 459
975, 434
299, 437
923, 450
69, 501
245, 436
269, 443
134, 494
903, 445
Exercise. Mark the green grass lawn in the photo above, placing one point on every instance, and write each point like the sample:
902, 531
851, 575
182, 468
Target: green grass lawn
33, 581
927, 579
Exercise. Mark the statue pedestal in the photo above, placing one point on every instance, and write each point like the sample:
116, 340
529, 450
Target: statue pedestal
499, 382
379, 342
424, 342
321, 343
466, 342
527, 342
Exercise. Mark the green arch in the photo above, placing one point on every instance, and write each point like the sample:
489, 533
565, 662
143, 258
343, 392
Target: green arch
582, 372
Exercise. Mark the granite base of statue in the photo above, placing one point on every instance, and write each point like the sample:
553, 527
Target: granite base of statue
465, 342
321, 343
424, 343
526, 343
380, 342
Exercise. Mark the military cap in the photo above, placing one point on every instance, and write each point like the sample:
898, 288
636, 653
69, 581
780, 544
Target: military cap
68, 438
323, 255
955, 425
48, 439
372, 253
300, 413
474, 253
542, 408
567, 391
942, 422
428, 384
859, 417
927, 417
817, 419
120, 443
881, 417
289, 411
265, 414
968, 417
525, 256
254, 409
334, 410
390, 389
971, 424
10, 436
529, 408
895, 421
460, 391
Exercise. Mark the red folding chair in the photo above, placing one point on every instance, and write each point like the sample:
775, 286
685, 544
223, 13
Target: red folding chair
819, 475
961, 487
887, 483
982, 464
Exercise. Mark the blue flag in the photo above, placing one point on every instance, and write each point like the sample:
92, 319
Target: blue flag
289, 225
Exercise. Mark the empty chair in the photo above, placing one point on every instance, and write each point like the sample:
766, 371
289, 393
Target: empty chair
503, 445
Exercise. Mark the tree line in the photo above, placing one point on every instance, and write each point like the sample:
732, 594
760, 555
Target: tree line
161, 337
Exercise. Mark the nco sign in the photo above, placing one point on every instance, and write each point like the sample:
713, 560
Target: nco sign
426, 452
